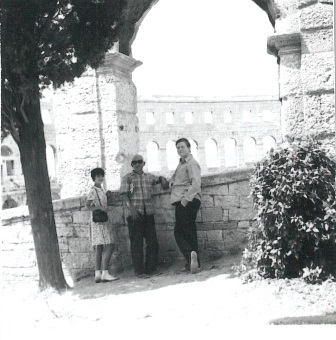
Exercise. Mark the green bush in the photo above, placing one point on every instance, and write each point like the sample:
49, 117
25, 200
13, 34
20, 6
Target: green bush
294, 194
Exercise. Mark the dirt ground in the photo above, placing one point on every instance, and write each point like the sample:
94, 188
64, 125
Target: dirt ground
173, 305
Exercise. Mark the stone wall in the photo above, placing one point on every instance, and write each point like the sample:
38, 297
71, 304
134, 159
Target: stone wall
222, 222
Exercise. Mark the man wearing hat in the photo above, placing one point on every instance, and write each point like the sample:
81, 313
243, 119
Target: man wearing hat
137, 191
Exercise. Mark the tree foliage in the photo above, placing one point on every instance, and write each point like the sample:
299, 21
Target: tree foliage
294, 193
51, 41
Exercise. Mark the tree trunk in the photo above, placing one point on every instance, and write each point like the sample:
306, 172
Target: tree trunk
34, 164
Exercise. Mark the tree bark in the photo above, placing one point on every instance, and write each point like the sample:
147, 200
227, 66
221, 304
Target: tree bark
34, 164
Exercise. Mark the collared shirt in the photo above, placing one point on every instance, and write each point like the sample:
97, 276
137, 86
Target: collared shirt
139, 189
186, 180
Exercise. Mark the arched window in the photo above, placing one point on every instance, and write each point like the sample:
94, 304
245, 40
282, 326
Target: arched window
208, 117
211, 154
194, 148
150, 118
172, 156
250, 151
268, 143
6, 151
227, 117
51, 161
153, 157
188, 117
230, 152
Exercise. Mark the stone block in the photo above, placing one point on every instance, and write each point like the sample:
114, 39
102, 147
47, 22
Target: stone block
63, 244
212, 214
124, 245
81, 231
320, 113
204, 226
79, 260
290, 75
207, 201
65, 231
79, 245
219, 225
116, 215
292, 121
122, 232
159, 216
239, 214
220, 189
160, 226
243, 224
225, 215
63, 218
239, 189
246, 202
234, 237
227, 201
214, 245
165, 202
82, 216
214, 235
169, 216
199, 216
157, 201
316, 16
317, 41
166, 241
71, 203
317, 72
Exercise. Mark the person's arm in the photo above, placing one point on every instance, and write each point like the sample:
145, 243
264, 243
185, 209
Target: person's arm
194, 172
90, 202
124, 192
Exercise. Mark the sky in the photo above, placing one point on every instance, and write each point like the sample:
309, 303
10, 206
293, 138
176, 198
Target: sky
205, 48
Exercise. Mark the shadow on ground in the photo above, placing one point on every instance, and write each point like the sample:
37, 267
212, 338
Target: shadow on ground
329, 319
86, 288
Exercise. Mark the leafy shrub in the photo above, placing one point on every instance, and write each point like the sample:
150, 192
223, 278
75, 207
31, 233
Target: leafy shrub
294, 193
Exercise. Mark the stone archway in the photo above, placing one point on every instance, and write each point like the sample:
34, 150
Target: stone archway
302, 45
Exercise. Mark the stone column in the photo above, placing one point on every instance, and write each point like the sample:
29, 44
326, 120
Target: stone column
287, 47
96, 125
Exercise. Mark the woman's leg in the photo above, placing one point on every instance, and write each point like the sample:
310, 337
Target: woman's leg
99, 254
108, 251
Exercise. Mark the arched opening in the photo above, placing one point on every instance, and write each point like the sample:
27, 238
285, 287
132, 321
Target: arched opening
9, 204
268, 143
211, 153
250, 150
194, 149
172, 156
51, 161
230, 152
153, 157
6, 151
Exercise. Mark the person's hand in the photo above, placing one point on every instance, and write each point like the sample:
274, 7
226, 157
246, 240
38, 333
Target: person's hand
164, 183
134, 213
184, 201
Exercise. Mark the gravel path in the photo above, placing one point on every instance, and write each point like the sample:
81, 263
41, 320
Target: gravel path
212, 300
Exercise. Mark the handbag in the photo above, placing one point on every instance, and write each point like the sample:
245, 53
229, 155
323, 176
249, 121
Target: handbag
99, 215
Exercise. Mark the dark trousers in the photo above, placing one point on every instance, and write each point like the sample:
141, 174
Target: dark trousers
185, 228
143, 228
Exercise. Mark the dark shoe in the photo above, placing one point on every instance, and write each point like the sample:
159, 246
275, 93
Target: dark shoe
193, 263
142, 276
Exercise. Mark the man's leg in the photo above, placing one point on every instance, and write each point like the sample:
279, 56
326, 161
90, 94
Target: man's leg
191, 234
152, 245
136, 233
180, 231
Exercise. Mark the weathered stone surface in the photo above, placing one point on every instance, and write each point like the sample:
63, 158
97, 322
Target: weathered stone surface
218, 190
81, 216
19, 258
65, 231
216, 244
78, 260
320, 113
79, 245
214, 235
63, 244
243, 224
317, 41
239, 214
207, 201
165, 202
226, 215
318, 72
227, 201
246, 202
288, 24
166, 241
290, 75
212, 214
116, 215
205, 226
316, 16
293, 116
239, 189
160, 216
122, 232
305, 3
81, 231
169, 216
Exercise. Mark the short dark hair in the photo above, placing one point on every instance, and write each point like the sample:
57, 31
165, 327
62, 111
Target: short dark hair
96, 172
185, 140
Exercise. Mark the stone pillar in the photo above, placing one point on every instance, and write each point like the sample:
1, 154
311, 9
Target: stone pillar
287, 47
96, 125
